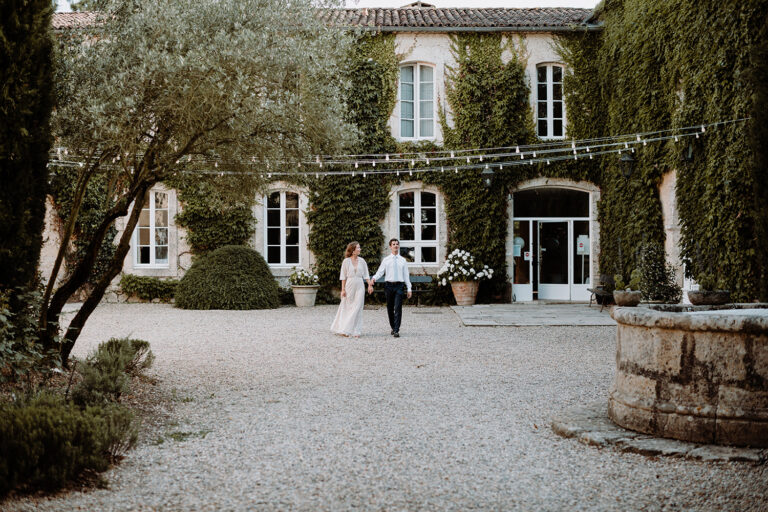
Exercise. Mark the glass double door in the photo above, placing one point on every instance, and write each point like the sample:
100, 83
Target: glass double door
551, 259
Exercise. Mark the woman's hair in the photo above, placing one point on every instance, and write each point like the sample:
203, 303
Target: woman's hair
350, 249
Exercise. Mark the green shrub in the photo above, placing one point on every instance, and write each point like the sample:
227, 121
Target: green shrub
148, 288
657, 277
231, 277
107, 371
44, 442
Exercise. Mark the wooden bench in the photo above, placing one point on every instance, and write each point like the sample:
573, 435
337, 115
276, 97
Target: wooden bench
415, 278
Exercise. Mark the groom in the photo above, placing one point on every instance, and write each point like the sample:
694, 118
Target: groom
394, 268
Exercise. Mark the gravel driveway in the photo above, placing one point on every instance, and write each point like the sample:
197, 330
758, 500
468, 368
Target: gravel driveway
272, 412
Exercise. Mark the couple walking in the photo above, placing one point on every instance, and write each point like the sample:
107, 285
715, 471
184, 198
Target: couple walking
354, 275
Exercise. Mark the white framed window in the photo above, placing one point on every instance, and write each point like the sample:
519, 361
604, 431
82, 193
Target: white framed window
151, 234
550, 107
417, 101
282, 231
417, 226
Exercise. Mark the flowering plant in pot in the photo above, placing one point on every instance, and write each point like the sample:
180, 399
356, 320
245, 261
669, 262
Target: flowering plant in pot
711, 292
627, 294
304, 284
463, 273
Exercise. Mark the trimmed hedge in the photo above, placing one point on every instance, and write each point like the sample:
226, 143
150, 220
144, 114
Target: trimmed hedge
231, 277
149, 288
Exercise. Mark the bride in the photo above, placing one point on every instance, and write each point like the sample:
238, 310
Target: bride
354, 274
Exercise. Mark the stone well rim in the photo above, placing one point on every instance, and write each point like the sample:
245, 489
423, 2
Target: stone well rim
677, 316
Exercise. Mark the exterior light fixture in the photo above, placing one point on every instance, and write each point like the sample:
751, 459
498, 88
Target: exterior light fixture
688, 153
487, 177
627, 164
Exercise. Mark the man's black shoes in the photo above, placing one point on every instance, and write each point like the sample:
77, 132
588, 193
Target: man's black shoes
393, 332
396, 334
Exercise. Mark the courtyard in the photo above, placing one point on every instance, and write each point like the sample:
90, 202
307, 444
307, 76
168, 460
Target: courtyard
266, 410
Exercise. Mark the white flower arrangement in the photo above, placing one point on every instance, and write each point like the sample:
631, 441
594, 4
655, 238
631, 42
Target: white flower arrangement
303, 277
460, 266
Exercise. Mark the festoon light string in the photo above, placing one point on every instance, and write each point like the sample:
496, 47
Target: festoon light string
433, 161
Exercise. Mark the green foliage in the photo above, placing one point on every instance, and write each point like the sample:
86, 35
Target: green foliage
26, 100
231, 277
107, 371
657, 278
45, 441
216, 211
303, 277
650, 69
758, 134
149, 288
634, 281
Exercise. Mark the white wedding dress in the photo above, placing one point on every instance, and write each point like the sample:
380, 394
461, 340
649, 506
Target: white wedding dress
349, 316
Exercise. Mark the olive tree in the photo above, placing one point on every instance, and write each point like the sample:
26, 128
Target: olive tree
154, 89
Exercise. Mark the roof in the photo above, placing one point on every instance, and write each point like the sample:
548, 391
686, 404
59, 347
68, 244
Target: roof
419, 19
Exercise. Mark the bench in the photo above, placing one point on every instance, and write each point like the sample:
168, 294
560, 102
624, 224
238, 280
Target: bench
601, 292
415, 279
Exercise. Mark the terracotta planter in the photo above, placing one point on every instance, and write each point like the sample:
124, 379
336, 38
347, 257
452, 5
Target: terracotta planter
709, 297
627, 298
465, 292
305, 295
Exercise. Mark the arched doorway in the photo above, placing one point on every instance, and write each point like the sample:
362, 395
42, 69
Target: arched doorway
551, 244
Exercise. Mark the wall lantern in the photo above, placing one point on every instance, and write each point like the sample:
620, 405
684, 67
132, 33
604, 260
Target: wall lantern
487, 177
688, 153
627, 164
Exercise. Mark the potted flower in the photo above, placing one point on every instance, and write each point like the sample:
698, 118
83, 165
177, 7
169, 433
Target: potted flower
464, 275
708, 293
304, 285
627, 294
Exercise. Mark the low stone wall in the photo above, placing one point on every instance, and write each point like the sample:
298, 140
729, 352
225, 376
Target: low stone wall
692, 376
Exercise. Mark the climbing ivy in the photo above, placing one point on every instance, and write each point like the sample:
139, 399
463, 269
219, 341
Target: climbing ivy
650, 69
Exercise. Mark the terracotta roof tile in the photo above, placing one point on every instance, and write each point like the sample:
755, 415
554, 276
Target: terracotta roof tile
68, 20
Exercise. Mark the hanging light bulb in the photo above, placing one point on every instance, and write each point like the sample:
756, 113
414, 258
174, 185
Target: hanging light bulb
534, 154
455, 170
703, 129
676, 139
481, 158
413, 162
410, 173
427, 161
452, 154
467, 159
626, 146
356, 165
386, 157
517, 149
363, 175
442, 169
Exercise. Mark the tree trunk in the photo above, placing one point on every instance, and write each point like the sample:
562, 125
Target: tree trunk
115, 266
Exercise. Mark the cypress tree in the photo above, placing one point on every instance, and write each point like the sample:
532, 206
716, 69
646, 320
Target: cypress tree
26, 100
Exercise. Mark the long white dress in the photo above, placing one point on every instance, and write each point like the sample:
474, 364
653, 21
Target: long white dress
349, 316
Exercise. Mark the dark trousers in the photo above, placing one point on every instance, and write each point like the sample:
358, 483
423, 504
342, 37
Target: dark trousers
394, 293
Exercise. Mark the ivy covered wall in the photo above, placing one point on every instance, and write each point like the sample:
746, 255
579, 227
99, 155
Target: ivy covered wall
652, 68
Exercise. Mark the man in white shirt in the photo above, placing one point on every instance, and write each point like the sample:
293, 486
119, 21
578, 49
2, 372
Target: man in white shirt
394, 268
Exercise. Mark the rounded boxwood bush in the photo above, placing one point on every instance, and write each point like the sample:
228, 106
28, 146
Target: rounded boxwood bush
231, 277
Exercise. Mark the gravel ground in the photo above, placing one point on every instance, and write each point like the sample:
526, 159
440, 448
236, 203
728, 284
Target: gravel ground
272, 412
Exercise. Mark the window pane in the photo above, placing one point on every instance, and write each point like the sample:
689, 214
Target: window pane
406, 232
426, 73
409, 253
426, 128
425, 91
292, 218
406, 199
406, 128
428, 199
273, 217
406, 215
161, 200
542, 92
143, 236
429, 232
274, 200
406, 74
543, 128
291, 254
428, 216
557, 92
273, 255
161, 236
425, 110
273, 236
406, 110
429, 254
291, 236
144, 255
541, 74
557, 109
291, 200
144, 218
542, 109
557, 128
406, 92
557, 74
161, 254
161, 218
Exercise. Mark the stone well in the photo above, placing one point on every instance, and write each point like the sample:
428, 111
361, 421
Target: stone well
693, 373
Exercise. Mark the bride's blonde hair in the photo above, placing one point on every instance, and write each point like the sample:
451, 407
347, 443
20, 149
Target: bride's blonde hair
350, 249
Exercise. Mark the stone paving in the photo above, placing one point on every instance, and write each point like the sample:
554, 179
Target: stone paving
534, 314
